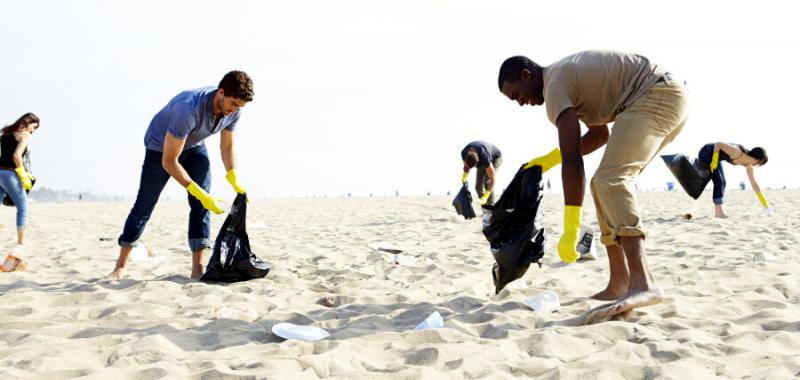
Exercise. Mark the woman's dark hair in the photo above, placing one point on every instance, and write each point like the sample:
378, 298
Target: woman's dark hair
238, 85
511, 69
471, 159
23, 122
759, 154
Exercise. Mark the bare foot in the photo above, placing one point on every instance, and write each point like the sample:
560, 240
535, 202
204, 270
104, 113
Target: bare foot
721, 216
611, 293
197, 272
116, 274
634, 299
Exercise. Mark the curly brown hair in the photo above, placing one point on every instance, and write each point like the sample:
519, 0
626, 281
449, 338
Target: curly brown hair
238, 85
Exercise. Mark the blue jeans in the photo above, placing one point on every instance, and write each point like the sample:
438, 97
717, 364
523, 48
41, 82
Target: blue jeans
717, 177
10, 184
154, 178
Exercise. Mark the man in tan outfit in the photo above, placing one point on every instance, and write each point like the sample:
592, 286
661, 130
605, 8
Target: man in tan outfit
648, 108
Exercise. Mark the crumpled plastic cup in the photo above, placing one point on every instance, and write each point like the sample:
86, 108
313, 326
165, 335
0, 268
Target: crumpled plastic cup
404, 260
546, 302
434, 321
297, 332
242, 313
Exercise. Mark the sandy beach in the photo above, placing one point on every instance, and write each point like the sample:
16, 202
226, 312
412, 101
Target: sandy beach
731, 308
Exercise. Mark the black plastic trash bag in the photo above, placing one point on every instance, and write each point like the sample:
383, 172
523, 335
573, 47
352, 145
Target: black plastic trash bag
692, 179
463, 203
232, 260
515, 230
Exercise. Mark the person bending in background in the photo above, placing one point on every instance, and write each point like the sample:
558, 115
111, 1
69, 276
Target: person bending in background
14, 177
486, 158
712, 154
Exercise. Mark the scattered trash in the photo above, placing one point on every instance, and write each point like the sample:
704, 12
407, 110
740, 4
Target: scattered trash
242, 313
384, 247
585, 243
232, 260
13, 263
404, 260
546, 302
434, 321
297, 332
518, 284
107, 239
761, 257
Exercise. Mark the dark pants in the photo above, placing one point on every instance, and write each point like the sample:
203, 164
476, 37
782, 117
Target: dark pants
154, 178
481, 180
717, 177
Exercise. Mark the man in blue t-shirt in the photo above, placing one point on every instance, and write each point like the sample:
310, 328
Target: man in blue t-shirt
174, 148
486, 158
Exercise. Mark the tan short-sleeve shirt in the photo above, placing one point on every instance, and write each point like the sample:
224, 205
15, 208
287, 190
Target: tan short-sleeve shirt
598, 84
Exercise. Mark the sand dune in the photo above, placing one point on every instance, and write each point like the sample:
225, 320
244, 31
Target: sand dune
731, 311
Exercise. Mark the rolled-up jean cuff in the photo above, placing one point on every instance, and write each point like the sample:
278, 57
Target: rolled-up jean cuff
127, 244
717, 201
198, 244
613, 238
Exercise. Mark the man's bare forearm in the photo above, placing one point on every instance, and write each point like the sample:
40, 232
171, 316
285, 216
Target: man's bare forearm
176, 170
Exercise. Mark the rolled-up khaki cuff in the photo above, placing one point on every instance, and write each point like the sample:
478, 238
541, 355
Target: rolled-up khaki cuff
613, 238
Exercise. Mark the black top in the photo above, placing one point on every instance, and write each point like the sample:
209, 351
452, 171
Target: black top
708, 150
8, 144
487, 153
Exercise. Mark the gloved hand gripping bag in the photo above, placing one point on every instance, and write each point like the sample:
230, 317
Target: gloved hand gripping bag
463, 202
232, 260
515, 230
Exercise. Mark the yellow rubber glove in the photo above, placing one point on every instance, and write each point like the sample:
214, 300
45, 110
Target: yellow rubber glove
210, 202
25, 178
714, 161
547, 161
763, 199
485, 197
234, 181
569, 239
464, 177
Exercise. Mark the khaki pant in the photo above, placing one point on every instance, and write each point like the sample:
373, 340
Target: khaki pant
639, 133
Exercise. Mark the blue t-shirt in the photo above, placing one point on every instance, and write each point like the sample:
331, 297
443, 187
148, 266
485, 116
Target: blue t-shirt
188, 116
487, 153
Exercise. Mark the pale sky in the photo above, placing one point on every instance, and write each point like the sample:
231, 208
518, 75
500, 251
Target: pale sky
374, 96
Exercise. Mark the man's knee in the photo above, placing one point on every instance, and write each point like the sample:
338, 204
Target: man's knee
602, 184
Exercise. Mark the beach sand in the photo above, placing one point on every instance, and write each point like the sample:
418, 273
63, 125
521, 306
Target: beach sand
731, 308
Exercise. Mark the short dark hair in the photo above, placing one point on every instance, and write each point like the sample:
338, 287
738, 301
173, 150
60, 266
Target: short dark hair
238, 85
472, 159
23, 122
759, 154
510, 70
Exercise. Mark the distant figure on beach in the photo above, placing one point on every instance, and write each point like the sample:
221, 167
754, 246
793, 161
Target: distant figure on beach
174, 148
486, 158
711, 155
648, 107
15, 180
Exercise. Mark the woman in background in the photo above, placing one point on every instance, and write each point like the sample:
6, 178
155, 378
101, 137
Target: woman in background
14, 177
712, 154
